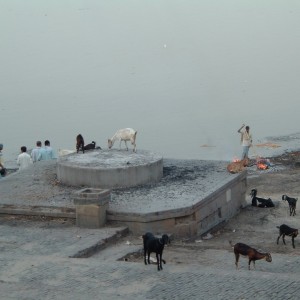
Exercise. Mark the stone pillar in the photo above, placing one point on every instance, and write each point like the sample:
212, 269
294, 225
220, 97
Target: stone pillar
91, 205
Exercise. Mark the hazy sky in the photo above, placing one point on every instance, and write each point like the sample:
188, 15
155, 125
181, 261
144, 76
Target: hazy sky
197, 68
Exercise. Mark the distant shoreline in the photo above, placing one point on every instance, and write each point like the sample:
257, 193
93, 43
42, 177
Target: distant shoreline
276, 148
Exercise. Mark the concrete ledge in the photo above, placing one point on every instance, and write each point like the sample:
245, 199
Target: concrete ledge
191, 198
55, 212
199, 218
100, 245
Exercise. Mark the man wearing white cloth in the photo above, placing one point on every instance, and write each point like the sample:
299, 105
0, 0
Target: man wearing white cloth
246, 140
24, 160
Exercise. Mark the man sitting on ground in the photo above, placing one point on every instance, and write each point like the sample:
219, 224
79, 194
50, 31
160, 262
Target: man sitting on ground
49, 151
2, 169
24, 160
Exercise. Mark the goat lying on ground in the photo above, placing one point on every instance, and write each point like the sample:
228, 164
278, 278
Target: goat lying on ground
154, 244
90, 146
79, 143
251, 253
126, 134
286, 230
292, 203
262, 202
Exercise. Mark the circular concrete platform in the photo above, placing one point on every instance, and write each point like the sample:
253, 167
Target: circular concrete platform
110, 168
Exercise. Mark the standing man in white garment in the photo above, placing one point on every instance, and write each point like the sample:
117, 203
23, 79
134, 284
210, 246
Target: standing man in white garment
246, 140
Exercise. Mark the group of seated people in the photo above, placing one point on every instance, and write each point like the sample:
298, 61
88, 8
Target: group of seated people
24, 159
37, 154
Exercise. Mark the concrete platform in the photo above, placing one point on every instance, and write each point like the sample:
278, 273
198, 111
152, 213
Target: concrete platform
191, 198
110, 168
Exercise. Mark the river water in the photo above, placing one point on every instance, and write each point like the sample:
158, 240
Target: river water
184, 74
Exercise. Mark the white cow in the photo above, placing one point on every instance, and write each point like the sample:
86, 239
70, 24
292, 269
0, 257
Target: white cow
125, 134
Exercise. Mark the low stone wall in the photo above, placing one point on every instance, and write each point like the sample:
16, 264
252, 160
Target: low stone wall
210, 211
109, 169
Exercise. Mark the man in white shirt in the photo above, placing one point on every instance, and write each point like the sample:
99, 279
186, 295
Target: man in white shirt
246, 140
24, 160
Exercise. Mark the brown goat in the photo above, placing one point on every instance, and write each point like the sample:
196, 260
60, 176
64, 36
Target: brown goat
79, 143
251, 253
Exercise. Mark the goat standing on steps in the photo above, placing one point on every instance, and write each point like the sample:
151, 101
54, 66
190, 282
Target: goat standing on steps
251, 253
126, 134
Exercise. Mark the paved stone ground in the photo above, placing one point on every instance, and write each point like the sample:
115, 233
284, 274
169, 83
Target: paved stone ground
36, 264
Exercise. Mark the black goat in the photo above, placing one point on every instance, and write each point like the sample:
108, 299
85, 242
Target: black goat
79, 143
90, 146
262, 202
251, 253
292, 203
286, 230
154, 244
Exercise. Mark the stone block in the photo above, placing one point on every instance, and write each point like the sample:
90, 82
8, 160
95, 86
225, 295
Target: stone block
91, 206
92, 196
91, 216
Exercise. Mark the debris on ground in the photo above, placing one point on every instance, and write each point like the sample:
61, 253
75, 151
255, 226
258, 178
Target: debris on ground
268, 145
208, 237
237, 166
263, 163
